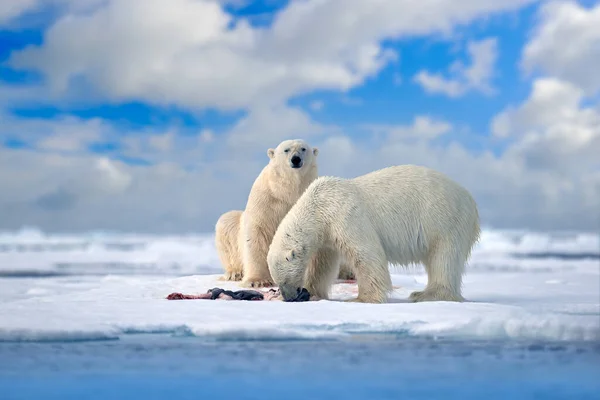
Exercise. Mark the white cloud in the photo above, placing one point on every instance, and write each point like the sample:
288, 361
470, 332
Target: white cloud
566, 44
72, 137
114, 178
206, 136
88, 192
435, 83
476, 76
184, 52
266, 125
553, 130
554, 138
10, 9
65, 134
423, 127
162, 142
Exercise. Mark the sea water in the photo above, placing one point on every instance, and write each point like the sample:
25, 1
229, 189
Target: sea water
371, 367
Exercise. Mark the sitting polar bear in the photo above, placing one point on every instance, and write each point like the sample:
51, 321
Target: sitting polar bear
242, 238
399, 215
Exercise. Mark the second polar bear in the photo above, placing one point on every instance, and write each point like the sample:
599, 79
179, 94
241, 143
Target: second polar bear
400, 215
243, 237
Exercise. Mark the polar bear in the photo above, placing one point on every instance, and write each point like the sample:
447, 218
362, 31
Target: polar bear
242, 238
400, 215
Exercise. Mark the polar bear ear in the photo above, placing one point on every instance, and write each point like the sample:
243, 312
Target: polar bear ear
271, 153
290, 256
315, 151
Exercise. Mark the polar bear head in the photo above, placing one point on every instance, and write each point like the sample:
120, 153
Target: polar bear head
287, 267
289, 254
294, 154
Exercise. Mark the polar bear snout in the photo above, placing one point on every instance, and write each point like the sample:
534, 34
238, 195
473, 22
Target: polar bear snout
296, 161
289, 292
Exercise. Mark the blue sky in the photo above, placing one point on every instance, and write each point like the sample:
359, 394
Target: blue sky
199, 94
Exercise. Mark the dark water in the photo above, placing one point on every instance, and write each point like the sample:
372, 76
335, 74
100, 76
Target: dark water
366, 367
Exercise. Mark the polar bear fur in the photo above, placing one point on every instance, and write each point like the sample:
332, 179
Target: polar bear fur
228, 245
399, 215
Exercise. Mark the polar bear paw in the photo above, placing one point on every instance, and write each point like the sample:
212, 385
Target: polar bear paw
367, 300
355, 300
257, 283
437, 294
232, 276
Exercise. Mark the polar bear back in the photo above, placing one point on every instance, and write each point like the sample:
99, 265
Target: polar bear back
408, 208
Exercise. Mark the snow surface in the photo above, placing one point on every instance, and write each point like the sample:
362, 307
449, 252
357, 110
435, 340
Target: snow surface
101, 286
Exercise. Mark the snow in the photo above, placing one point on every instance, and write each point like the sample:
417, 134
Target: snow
103, 286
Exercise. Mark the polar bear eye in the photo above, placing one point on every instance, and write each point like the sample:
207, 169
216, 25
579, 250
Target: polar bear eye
303, 149
287, 150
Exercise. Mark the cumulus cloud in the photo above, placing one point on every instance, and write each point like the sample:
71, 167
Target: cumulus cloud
186, 52
553, 130
264, 126
463, 78
10, 9
566, 44
423, 127
89, 191
64, 134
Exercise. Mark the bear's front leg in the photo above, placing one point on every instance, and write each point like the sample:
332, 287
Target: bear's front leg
256, 269
321, 272
372, 275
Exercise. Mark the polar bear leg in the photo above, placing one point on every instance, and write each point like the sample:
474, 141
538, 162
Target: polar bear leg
372, 274
321, 272
445, 267
256, 247
227, 244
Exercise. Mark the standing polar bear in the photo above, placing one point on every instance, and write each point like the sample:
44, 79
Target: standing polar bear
399, 215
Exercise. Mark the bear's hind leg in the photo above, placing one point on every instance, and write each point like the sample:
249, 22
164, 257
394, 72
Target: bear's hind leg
226, 242
445, 267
